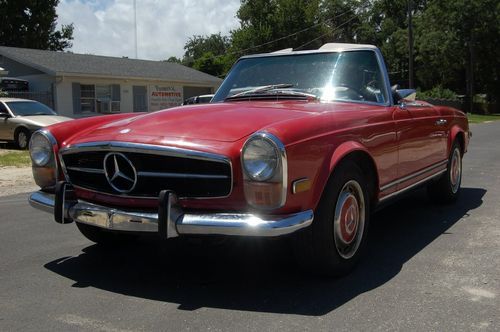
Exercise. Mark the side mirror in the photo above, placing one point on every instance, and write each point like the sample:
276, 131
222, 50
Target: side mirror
403, 96
407, 94
4, 115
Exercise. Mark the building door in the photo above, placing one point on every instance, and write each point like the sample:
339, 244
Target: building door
140, 98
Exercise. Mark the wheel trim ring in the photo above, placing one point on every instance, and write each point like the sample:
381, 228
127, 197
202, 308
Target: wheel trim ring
22, 139
351, 189
455, 170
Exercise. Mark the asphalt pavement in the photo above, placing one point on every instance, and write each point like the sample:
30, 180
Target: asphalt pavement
427, 268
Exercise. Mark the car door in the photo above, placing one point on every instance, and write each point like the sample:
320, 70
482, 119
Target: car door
422, 142
4, 122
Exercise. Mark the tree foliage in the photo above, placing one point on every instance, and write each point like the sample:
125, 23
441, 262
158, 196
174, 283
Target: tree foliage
32, 24
455, 41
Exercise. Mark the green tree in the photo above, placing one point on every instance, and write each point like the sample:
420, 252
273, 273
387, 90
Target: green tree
198, 46
455, 41
270, 25
32, 24
174, 59
457, 45
211, 64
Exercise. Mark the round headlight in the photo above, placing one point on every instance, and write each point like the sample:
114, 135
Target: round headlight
260, 158
40, 149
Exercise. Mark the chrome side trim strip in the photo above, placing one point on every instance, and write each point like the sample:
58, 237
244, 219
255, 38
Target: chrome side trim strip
233, 224
181, 175
413, 175
401, 191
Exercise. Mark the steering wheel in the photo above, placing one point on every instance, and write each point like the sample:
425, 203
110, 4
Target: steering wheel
360, 95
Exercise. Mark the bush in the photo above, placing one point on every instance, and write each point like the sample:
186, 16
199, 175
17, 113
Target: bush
437, 92
3, 93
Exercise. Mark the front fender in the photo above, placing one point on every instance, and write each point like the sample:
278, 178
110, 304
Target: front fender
343, 150
454, 132
339, 153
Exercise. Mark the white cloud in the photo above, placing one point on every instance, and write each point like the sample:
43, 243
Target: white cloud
163, 27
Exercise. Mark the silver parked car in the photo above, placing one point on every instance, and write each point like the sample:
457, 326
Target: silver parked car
20, 117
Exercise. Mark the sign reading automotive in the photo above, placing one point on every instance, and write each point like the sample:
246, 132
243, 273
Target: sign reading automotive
161, 97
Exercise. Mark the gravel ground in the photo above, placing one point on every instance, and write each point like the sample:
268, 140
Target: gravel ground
427, 268
15, 180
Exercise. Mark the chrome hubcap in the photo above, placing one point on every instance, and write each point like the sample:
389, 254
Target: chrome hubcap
455, 170
22, 139
349, 219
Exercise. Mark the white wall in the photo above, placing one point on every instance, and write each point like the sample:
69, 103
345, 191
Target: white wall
64, 91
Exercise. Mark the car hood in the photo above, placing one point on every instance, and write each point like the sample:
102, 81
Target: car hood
41, 120
223, 122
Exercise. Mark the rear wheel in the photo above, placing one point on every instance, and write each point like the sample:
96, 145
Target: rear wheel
447, 189
104, 237
335, 241
22, 139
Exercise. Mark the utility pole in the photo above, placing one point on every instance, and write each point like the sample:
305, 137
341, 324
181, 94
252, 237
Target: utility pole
135, 27
410, 46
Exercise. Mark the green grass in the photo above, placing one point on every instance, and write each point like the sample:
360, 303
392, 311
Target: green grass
476, 118
15, 158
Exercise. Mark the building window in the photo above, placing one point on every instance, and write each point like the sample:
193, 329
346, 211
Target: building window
87, 98
96, 98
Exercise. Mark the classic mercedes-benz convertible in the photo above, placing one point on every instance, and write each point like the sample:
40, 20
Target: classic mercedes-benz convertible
306, 142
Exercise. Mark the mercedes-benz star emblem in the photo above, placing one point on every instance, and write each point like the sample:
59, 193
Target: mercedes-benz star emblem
120, 172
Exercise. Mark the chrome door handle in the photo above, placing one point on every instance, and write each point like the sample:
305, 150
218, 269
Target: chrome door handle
441, 122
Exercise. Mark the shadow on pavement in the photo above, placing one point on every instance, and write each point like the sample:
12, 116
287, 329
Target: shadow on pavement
261, 275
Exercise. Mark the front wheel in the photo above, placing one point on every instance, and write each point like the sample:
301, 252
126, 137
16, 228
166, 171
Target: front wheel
22, 139
447, 188
335, 241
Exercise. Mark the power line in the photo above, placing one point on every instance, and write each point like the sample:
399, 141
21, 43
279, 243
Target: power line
298, 32
366, 5
292, 34
326, 34
284, 37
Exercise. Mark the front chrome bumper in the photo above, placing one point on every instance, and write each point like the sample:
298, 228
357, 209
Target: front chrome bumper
171, 221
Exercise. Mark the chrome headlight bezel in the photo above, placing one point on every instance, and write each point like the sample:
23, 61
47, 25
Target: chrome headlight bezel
45, 168
275, 175
260, 158
41, 149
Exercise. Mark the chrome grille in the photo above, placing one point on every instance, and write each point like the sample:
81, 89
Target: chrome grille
189, 174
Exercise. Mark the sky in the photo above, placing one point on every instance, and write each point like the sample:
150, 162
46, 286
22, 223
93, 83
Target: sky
106, 27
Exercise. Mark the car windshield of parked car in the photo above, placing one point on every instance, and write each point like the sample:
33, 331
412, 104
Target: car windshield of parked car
351, 76
26, 108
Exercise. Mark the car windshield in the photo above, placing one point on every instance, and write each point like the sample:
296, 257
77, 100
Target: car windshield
25, 108
352, 76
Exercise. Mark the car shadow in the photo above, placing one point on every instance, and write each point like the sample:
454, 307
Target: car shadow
261, 275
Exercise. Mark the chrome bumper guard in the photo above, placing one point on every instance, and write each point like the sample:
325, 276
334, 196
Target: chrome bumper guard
170, 221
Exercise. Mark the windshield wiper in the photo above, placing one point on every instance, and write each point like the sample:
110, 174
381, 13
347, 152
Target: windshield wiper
262, 89
276, 93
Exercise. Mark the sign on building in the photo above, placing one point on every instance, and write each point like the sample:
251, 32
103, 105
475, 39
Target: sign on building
161, 97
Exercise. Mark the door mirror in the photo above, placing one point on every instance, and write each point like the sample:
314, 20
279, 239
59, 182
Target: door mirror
407, 94
4, 115
403, 96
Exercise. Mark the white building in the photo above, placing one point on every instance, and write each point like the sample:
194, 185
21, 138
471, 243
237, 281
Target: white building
81, 85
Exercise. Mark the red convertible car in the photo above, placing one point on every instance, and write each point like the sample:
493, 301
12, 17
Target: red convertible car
306, 142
